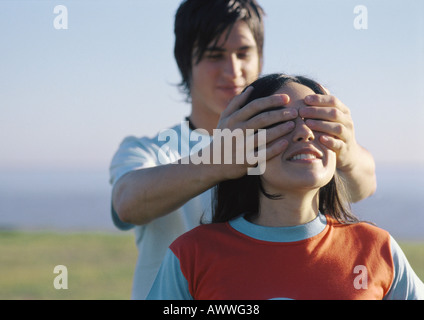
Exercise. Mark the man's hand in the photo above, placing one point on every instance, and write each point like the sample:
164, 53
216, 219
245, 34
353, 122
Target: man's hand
327, 114
258, 114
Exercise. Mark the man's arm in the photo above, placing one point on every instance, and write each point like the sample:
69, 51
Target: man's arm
327, 114
360, 176
143, 195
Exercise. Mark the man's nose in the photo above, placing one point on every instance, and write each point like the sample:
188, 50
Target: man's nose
232, 67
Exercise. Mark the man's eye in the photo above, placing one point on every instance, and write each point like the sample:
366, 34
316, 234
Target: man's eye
243, 55
214, 56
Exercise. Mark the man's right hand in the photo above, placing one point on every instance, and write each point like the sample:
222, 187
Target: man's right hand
263, 113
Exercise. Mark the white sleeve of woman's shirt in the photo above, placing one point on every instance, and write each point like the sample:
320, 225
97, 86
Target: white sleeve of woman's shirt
406, 285
170, 282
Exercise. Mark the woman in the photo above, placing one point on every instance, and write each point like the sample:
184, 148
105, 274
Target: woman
288, 234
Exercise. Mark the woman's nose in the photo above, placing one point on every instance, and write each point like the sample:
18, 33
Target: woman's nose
302, 132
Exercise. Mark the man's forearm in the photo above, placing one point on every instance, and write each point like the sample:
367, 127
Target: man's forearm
144, 195
360, 178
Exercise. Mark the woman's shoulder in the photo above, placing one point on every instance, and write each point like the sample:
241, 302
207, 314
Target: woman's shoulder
362, 229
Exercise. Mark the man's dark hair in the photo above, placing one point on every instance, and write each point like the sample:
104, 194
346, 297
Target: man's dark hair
198, 23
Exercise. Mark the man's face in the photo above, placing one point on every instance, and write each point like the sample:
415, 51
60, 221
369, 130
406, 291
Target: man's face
223, 72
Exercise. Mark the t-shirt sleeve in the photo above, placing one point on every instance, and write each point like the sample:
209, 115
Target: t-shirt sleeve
132, 154
406, 285
170, 282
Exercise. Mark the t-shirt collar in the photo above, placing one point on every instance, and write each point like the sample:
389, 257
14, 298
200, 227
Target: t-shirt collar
280, 234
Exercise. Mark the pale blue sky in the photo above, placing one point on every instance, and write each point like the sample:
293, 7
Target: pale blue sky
68, 97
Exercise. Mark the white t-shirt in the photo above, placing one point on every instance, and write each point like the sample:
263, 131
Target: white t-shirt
154, 238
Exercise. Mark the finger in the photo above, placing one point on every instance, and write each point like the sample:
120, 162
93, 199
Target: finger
275, 148
237, 102
279, 131
332, 143
260, 105
326, 101
269, 119
324, 113
256, 139
334, 129
265, 153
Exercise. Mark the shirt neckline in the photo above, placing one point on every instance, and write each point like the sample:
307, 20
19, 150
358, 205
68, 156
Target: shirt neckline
280, 234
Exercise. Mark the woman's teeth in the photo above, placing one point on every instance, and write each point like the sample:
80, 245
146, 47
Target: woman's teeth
303, 156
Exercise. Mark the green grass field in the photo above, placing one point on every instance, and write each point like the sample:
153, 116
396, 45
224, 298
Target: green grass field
100, 265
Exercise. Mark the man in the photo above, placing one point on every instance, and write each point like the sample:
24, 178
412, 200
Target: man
218, 49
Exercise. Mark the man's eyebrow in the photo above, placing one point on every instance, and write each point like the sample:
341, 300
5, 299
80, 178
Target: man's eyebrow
220, 49
215, 49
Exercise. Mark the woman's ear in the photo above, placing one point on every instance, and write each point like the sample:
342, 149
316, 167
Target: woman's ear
324, 89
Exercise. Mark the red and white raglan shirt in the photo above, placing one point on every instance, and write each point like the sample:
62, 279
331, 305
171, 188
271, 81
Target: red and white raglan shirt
322, 259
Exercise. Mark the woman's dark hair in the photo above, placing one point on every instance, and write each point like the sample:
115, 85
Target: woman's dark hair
241, 196
198, 23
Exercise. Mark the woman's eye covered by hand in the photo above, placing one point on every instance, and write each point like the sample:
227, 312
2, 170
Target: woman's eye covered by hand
290, 118
275, 113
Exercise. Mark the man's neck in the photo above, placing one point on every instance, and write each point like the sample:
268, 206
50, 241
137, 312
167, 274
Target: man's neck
201, 121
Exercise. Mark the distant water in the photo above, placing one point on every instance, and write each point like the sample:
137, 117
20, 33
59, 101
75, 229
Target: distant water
398, 204
55, 200
80, 201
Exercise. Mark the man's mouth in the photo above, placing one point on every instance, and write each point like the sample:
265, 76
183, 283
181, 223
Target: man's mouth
231, 89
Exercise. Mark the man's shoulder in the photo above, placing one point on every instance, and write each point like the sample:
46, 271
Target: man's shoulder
151, 139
